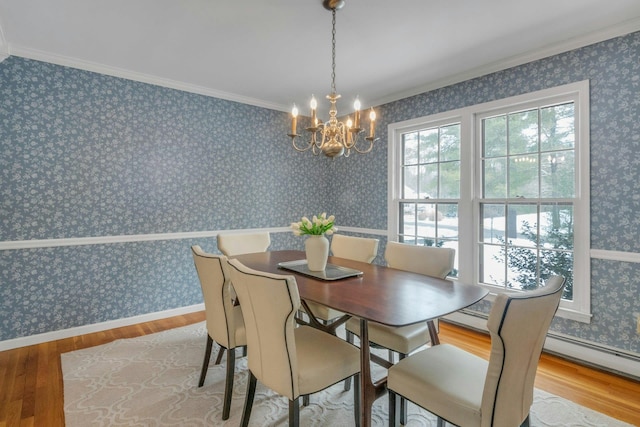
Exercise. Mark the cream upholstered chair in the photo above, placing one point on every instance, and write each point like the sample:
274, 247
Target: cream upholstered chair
231, 244
292, 361
243, 243
355, 248
349, 247
427, 260
466, 390
225, 324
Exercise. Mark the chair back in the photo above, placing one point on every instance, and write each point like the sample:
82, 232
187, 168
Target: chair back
355, 248
269, 305
243, 243
518, 325
427, 260
217, 292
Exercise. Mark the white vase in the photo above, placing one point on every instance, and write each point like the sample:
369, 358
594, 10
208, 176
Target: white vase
317, 249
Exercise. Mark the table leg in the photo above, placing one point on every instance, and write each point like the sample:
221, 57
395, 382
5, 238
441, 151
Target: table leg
369, 391
315, 323
433, 333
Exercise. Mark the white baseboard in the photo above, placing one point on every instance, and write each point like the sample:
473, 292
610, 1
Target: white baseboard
592, 354
96, 327
608, 359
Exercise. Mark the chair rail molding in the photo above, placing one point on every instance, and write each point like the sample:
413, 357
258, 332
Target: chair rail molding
615, 255
102, 240
604, 254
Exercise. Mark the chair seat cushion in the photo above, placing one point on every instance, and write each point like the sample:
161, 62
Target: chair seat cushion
404, 339
444, 380
323, 312
323, 359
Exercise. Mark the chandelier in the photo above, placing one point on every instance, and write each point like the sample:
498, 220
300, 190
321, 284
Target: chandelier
334, 138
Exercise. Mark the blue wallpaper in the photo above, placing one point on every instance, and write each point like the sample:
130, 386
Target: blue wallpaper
613, 68
86, 155
83, 154
48, 289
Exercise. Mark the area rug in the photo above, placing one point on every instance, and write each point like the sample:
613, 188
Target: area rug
152, 381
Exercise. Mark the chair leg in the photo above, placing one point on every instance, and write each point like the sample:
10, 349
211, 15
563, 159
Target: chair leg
220, 353
248, 400
433, 333
440, 423
525, 423
205, 363
294, 412
350, 337
305, 400
244, 351
403, 402
394, 409
356, 398
228, 385
347, 382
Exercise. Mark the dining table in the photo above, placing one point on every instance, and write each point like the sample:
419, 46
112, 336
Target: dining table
377, 294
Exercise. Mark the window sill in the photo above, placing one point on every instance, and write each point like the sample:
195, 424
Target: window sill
563, 312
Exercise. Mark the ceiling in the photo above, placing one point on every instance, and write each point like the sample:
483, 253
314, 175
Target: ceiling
273, 53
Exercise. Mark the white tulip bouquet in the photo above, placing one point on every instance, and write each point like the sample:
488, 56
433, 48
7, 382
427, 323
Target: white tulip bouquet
317, 226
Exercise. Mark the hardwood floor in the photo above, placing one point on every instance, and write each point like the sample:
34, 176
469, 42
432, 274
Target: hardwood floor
610, 394
31, 377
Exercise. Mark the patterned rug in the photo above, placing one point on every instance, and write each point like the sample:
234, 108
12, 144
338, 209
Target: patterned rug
152, 381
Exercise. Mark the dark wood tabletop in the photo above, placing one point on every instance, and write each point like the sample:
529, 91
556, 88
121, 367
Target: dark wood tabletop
382, 294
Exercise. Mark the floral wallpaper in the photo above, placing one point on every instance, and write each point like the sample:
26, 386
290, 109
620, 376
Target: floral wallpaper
89, 155
85, 155
613, 70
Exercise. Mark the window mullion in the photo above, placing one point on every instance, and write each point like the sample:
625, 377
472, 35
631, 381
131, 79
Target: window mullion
499, 180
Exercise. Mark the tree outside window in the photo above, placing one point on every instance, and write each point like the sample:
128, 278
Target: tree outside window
527, 200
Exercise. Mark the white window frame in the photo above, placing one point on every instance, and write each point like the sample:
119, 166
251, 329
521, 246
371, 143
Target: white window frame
470, 186
435, 200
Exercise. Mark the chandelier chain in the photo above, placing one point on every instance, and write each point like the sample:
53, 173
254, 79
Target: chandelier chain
333, 53
334, 138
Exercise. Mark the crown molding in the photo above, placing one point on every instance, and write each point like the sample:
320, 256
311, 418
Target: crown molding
609, 33
67, 61
4, 48
621, 29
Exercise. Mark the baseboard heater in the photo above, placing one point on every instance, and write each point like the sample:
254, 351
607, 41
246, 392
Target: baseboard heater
575, 349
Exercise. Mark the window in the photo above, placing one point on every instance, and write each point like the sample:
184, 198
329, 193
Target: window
504, 183
430, 171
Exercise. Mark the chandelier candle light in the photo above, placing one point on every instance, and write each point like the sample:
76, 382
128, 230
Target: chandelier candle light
335, 138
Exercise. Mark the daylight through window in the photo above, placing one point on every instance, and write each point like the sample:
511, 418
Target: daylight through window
506, 184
